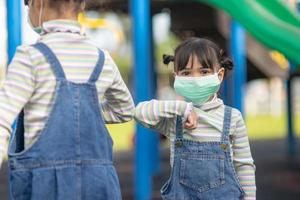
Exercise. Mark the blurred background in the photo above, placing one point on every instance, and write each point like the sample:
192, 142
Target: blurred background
262, 36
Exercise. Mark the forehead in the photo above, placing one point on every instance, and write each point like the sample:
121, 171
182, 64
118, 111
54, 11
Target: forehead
193, 63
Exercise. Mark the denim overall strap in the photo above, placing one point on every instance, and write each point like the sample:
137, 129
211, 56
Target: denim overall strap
52, 59
97, 70
226, 124
179, 131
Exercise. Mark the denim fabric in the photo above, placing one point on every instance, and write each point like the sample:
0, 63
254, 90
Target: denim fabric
203, 170
72, 158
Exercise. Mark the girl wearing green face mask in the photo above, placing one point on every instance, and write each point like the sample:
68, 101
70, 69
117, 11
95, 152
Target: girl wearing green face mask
210, 152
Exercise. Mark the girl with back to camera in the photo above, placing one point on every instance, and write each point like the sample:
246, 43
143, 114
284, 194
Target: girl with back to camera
210, 152
68, 89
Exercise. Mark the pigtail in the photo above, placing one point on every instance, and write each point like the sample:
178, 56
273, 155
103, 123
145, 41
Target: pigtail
167, 59
225, 61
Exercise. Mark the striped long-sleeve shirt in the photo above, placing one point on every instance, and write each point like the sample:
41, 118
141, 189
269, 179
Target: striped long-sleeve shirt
30, 83
161, 116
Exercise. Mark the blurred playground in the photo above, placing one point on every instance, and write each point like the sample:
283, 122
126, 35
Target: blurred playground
262, 36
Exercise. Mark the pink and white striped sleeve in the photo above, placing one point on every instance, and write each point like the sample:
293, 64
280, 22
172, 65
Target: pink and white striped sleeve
243, 161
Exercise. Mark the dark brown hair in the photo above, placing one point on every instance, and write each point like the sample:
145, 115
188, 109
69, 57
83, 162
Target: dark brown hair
57, 3
207, 52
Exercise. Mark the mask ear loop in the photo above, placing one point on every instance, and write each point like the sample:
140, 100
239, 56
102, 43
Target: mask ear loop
82, 8
41, 12
29, 5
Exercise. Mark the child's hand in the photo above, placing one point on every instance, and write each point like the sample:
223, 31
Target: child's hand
191, 121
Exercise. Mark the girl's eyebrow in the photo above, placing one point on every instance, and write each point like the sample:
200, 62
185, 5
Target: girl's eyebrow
186, 69
191, 69
205, 67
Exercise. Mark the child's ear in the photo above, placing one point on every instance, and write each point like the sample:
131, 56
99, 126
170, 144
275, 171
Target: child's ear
221, 74
82, 6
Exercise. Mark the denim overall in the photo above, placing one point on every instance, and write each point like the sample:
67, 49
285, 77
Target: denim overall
72, 158
203, 170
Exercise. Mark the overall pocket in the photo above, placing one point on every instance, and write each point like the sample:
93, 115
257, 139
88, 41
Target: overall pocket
40, 184
202, 173
20, 184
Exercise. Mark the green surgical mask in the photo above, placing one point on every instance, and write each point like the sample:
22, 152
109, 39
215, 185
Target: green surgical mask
197, 89
39, 28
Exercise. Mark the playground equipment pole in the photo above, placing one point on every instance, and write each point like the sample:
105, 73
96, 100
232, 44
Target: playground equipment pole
14, 30
290, 137
154, 151
239, 76
225, 91
291, 140
144, 90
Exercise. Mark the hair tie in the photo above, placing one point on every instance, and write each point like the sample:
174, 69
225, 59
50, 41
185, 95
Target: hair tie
167, 59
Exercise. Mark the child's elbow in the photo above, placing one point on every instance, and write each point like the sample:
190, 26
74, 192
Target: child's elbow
125, 114
129, 115
138, 116
138, 112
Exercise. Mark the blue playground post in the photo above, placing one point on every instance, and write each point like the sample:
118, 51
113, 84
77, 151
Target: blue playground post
14, 28
144, 90
291, 140
290, 118
239, 76
154, 151
226, 91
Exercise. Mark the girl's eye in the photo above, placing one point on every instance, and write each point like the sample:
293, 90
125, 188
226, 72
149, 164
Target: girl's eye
205, 72
186, 73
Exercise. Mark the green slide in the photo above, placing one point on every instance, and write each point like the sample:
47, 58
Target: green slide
270, 21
